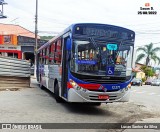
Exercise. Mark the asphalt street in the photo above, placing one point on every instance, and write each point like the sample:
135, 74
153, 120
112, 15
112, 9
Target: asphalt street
146, 95
33, 105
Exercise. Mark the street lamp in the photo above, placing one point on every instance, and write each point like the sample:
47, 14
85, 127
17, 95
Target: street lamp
36, 40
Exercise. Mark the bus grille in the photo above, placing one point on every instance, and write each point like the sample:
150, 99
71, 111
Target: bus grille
101, 81
94, 90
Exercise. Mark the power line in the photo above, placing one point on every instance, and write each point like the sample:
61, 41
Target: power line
138, 33
147, 44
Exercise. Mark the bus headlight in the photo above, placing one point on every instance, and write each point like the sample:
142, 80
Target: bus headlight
76, 86
73, 83
129, 85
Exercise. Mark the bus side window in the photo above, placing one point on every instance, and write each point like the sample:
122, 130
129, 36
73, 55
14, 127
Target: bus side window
52, 52
59, 48
58, 52
40, 57
50, 58
47, 55
55, 53
43, 56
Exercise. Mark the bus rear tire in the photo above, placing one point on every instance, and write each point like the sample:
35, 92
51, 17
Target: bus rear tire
56, 94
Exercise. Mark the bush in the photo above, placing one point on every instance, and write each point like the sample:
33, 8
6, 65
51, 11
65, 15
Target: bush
144, 79
149, 72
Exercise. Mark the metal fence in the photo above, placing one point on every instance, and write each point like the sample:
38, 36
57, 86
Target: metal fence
14, 73
14, 67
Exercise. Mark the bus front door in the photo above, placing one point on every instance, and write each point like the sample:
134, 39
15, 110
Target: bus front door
64, 70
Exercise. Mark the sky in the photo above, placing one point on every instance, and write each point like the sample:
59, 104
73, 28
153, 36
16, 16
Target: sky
56, 15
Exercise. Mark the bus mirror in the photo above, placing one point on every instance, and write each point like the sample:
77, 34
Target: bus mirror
68, 44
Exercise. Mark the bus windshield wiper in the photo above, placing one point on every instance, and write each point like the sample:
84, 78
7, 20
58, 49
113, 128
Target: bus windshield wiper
94, 43
96, 47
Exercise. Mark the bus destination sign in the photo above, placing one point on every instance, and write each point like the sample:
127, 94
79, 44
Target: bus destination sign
91, 31
105, 33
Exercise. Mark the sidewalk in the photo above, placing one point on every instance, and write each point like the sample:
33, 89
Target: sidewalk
34, 83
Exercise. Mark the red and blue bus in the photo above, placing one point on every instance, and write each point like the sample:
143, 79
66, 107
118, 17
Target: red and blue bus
89, 63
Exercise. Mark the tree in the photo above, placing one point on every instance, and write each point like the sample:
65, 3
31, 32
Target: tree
46, 37
149, 53
149, 72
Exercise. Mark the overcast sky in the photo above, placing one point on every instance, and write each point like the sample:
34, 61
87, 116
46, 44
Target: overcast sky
56, 15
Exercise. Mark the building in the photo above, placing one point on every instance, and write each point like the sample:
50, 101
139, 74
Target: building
17, 42
137, 72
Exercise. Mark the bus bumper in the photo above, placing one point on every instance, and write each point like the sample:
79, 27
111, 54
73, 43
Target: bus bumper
92, 96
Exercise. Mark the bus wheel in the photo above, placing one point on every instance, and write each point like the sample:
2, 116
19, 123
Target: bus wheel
42, 87
56, 94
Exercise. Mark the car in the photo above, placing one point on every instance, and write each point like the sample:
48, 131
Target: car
136, 81
155, 82
148, 81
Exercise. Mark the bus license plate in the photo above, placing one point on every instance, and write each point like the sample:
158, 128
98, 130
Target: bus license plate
103, 97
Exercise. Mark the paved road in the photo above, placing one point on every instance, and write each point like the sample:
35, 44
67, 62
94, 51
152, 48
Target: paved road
33, 105
146, 95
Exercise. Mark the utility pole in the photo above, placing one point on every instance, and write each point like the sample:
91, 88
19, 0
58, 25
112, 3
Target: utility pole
36, 40
1, 11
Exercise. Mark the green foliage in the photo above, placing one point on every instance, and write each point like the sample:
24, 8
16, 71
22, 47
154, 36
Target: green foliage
148, 53
46, 37
149, 72
144, 79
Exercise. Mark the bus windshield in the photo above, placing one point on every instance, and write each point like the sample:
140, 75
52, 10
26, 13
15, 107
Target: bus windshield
97, 58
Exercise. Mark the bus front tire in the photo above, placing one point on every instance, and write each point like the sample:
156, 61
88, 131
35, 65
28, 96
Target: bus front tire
56, 94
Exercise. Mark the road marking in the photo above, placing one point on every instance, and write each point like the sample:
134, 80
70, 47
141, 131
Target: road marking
152, 93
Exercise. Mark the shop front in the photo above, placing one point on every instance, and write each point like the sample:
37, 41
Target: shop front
11, 51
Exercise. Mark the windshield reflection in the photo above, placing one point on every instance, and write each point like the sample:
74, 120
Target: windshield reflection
93, 58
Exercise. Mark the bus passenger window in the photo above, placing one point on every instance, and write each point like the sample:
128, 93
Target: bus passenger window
59, 48
55, 51
49, 55
58, 52
52, 53
43, 56
45, 53
40, 57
